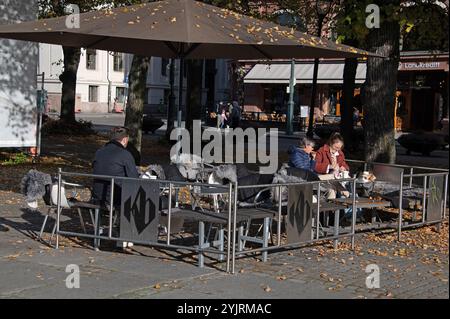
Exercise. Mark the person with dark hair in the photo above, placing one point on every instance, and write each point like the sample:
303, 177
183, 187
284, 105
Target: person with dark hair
329, 158
235, 115
330, 164
113, 159
303, 155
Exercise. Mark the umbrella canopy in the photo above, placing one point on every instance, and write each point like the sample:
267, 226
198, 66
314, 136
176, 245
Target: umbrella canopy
180, 29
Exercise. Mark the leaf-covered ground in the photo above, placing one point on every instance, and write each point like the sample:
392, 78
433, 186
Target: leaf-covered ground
417, 266
73, 154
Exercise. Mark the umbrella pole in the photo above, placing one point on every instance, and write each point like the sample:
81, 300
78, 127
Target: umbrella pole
290, 112
179, 112
180, 92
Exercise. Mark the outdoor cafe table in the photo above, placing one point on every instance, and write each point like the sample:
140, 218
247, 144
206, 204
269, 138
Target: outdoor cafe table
364, 202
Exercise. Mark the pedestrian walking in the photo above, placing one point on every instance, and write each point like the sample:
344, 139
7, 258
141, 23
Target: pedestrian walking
235, 115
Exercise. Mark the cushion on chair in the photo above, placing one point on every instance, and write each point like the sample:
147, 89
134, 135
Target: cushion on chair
54, 196
248, 194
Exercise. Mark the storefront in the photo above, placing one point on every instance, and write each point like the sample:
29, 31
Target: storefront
266, 87
422, 91
422, 101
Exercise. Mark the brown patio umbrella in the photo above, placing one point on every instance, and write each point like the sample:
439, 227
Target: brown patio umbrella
183, 29
179, 29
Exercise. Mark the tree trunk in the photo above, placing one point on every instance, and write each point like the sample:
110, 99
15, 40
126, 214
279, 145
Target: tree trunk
136, 99
172, 108
380, 92
210, 84
350, 67
69, 83
194, 89
237, 82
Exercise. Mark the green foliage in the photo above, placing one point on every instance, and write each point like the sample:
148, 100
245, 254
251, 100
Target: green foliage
351, 21
425, 27
16, 159
423, 23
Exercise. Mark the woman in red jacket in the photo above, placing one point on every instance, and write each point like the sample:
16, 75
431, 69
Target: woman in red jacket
329, 158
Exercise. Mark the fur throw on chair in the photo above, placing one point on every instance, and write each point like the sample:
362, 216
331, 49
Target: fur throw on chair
33, 185
226, 172
155, 170
188, 165
282, 177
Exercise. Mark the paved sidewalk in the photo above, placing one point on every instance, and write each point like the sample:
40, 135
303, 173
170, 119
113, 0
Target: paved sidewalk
415, 268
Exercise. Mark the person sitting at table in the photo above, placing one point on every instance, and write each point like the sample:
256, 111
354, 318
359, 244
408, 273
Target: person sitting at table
330, 162
302, 160
113, 159
330, 159
303, 155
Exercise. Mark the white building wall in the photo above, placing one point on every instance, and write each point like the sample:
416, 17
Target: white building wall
18, 66
50, 62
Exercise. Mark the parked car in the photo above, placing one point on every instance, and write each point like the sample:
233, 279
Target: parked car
151, 124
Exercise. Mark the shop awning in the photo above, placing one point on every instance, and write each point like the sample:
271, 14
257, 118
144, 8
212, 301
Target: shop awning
329, 73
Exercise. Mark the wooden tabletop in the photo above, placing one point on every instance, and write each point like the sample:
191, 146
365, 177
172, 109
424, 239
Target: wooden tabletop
363, 202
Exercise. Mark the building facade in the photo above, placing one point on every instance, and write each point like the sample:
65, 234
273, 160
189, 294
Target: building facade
422, 96
18, 62
422, 90
102, 81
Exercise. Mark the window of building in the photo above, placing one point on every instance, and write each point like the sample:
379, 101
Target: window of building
91, 59
164, 66
93, 93
118, 62
120, 94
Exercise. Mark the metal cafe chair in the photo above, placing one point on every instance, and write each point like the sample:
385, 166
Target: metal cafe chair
51, 200
181, 213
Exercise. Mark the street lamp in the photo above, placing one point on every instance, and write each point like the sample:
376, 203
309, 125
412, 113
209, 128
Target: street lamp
171, 109
108, 54
288, 18
322, 9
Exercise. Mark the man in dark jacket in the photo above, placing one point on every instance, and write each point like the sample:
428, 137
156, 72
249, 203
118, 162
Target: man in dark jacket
113, 159
302, 156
